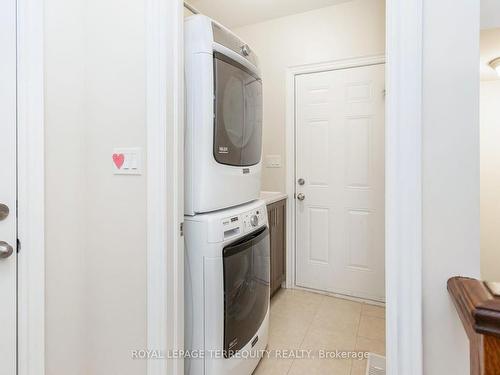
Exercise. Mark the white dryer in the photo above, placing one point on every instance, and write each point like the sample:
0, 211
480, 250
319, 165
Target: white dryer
223, 137
226, 290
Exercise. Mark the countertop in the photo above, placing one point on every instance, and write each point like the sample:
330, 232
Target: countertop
272, 196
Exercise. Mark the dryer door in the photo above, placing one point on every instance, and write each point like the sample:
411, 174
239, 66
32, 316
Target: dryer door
246, 289
238, 113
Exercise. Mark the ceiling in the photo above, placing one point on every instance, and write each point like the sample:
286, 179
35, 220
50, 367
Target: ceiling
490, 49
235, 13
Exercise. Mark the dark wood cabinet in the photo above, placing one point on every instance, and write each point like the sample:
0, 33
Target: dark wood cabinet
276, 213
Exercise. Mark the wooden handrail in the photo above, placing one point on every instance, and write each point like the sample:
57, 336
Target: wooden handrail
479, 310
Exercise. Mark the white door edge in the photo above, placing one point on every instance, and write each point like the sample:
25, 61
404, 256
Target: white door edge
31, 183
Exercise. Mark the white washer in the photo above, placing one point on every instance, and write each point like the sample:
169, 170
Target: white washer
223, 136
227, 290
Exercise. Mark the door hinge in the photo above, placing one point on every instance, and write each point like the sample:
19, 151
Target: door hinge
18, 245
181, 229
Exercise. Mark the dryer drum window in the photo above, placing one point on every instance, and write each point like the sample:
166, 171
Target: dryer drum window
238, 113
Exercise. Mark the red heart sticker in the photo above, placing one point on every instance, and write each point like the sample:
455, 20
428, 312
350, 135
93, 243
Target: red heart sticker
118, 159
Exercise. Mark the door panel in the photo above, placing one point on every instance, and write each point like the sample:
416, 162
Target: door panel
340, 155
318, 234
8, 229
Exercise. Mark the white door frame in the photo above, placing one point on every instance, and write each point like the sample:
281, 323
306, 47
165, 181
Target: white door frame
290, 147
165, 179
403, 186
164, 121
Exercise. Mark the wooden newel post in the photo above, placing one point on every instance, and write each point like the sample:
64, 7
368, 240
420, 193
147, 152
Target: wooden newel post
479, 309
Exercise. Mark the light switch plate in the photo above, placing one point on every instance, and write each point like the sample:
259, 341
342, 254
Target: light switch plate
127, 160
273, 161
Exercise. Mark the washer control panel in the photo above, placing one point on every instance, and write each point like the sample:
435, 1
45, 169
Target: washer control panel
244, 222
254, 219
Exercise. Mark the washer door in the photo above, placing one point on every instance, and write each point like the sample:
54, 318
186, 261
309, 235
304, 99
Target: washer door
246, 289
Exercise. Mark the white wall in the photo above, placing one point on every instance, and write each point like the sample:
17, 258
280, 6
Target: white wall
490, 180
65, 181
96, 221
450, 175
347, 30
490, 157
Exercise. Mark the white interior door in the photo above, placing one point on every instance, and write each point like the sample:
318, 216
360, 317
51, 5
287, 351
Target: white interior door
340, 181
8, 222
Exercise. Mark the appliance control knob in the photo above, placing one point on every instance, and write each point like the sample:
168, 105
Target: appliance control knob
254, 220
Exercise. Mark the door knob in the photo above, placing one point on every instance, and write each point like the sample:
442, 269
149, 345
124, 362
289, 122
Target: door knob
5, 250
301, 181
301, 196
4, 211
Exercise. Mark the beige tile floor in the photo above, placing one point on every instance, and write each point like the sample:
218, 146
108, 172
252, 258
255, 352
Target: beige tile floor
310, 321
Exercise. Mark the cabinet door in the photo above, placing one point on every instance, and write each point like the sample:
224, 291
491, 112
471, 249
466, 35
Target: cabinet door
272, 240
280, 241
277, 229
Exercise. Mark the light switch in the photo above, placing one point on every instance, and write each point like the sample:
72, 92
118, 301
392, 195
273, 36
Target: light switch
127, 160
273, 161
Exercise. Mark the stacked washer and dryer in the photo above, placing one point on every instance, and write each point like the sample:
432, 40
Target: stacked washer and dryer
226, 231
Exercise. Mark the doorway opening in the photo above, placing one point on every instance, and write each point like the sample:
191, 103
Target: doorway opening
323, 154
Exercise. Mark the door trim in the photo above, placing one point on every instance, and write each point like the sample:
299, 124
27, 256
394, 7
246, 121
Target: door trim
31, 183
403, 206
290, 140
165, 182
